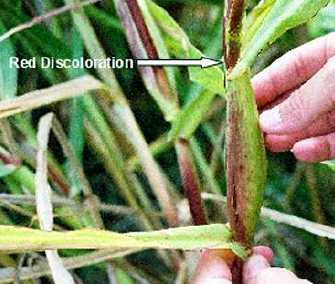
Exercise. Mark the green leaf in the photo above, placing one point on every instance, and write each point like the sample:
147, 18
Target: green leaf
185, 238
122, 277
283, 16
180, 46
8, 76
191, 116
77, 109
330, 164
324, 22
256, 18
6, 170
103, 18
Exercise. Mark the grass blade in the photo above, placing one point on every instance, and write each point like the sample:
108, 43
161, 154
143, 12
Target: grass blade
36, 99
8, 76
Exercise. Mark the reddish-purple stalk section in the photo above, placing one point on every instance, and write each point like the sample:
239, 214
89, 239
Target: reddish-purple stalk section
232, 28
149, 45
142, 29
190, 182
232, 47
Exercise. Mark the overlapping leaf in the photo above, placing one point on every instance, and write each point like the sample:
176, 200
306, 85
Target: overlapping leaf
283, 16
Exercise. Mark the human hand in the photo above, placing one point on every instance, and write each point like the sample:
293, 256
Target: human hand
212, 269
298, 93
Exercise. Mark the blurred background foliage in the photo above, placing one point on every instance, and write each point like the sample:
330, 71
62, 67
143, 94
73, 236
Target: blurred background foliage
294, 188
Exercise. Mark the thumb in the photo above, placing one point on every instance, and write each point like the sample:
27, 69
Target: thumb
254, 265
212, 269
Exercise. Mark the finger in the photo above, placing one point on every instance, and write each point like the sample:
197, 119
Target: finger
253, 266
277, 276
293, 69
305, 105
315, 149
322, 126
212, 269
263, 251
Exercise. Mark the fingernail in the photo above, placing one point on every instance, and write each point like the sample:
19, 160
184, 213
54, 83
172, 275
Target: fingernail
271, 121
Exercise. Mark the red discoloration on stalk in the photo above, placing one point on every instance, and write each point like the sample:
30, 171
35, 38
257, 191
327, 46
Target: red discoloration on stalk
59, 181
233, 26
237, 176
142, 29
149, 45
227, 8
236, 173
190, 182
236, 200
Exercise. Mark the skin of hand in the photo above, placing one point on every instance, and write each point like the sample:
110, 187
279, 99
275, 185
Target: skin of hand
296, 95
212, 269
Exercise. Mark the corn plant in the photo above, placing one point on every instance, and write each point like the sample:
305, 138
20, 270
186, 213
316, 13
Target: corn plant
124, 176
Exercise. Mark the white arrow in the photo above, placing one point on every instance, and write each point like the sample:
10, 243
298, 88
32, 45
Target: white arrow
203, 62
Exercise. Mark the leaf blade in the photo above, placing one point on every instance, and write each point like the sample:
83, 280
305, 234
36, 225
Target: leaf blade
8, 75
283, 16
186, 238
191, 116
49, 95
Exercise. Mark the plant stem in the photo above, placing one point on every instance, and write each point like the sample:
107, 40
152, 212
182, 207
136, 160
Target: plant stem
142, 29
232, 27
246, 164
190, 182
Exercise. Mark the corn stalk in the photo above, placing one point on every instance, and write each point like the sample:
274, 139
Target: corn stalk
246, 163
